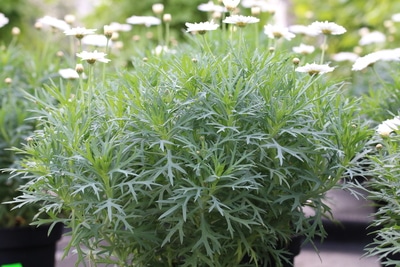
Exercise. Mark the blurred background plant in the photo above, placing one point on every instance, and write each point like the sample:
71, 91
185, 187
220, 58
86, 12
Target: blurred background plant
23, 69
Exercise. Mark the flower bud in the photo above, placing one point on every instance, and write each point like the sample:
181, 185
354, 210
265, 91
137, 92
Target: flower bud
296, 61
79, 68
8, 80
158, 9
108, 31
255, 11
167, 18
69, 18
15, 31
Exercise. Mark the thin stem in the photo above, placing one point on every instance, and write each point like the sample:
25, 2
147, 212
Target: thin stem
159, 33
167, 34
104, 65
206, 46
377, 75
323, 47
256, 35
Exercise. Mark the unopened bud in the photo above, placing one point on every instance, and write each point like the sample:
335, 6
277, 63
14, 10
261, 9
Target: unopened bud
158, 9
167, 18
69, 18
108, 31
15, 31
79, 68
255, 11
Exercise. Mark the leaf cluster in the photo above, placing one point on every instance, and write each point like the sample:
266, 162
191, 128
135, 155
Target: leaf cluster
182, 162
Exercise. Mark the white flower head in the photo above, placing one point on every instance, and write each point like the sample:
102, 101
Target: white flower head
211, 7
277, 32
326, 27
303, 49
372, 38
345, 56
263, 5
231, 4
388, 126
302, 30
158, 8
368, 60
98, 40
144, 20
396, 17
3, 20
315, 68
119, 27
68, 73
240, 20
79, 32
54, 23
92, 57
201, 27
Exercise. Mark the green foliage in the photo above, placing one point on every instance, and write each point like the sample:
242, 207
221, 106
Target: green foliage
383, 188
190, 159
379, 160
21, 71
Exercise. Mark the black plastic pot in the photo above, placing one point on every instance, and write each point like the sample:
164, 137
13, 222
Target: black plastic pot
29, 246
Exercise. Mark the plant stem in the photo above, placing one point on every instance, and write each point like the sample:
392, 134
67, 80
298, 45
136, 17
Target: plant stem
323, 47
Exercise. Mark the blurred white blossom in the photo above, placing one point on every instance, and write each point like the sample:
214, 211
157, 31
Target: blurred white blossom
314, 68
326, 27
3, 20
277, 32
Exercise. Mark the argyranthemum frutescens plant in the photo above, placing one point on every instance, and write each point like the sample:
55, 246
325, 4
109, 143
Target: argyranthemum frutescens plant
198, 158
381, 168
22, 70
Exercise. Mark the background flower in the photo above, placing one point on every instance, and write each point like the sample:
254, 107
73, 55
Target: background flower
326, 27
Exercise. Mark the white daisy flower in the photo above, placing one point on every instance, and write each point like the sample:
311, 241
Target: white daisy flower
314, 68
388, 126
98, 40
345, 56
143, 20
231, 4
79, 32
326, 27
68, 73
368, 60
54, 23
396, 17
3, 20
119, 27
211, 7
372, 38
201, 27
303, 49
240, 20
276, 32
303, 30
92, 57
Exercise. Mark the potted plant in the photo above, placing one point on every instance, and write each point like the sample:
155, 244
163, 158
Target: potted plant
205, 154
191, 158
19, 242
382, 187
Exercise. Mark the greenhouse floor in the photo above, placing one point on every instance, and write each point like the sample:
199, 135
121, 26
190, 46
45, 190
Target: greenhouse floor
344, 246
